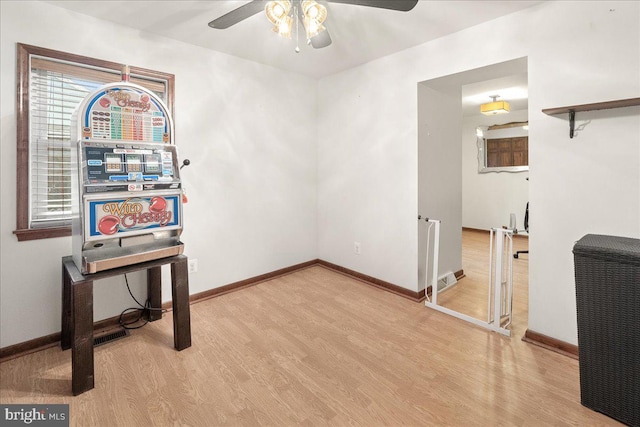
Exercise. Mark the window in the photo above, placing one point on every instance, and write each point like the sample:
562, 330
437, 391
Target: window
50, 86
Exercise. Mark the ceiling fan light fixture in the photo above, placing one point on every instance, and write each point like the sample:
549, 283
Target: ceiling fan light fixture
276, 10
313, 10
314, 15
495, 107
298, 10
284, 27
313, 27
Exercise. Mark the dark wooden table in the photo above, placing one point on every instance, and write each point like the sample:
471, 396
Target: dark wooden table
77, 310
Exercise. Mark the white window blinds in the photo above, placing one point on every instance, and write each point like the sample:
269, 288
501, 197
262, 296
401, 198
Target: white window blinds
55, 89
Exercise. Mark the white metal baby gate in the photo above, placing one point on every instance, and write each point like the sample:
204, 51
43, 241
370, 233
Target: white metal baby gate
500, 295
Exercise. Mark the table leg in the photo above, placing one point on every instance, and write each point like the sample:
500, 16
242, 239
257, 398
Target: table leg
67, 304
154, 292
82, 375
180, 297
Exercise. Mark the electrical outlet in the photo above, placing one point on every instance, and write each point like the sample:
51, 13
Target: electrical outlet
193, 266
356, 247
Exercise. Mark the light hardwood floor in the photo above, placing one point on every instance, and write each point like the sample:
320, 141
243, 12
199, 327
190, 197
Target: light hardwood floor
311, 348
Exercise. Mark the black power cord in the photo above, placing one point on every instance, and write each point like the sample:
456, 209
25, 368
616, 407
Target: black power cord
143, 311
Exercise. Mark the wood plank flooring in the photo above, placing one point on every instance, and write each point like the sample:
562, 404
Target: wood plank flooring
313, 347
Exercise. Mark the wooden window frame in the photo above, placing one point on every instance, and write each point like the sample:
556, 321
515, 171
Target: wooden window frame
23, 192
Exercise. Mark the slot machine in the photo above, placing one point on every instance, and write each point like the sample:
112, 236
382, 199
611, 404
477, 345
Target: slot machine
128, 192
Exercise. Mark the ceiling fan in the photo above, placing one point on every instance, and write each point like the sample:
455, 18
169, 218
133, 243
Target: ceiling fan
310, 13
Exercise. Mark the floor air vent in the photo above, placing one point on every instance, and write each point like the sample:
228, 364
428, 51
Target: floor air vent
112, 336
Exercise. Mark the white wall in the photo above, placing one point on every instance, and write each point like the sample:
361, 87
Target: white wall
440, 176
489, 198
367, 154
251, 183
367, 171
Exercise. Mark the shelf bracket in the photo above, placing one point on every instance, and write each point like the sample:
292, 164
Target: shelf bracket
572, 122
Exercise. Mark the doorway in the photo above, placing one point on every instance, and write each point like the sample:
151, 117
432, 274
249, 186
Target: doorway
456, 187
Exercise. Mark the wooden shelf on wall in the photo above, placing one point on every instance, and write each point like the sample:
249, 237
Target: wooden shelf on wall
618, 103
572, 109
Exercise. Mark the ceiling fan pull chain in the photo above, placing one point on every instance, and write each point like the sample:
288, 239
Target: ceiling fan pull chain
295, 14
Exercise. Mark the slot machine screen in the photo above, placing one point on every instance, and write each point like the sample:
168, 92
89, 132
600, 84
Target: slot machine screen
113, 163
134, 163
152, 163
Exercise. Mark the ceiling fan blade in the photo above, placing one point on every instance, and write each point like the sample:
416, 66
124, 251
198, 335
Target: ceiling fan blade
237, 15
321, 40
399, 5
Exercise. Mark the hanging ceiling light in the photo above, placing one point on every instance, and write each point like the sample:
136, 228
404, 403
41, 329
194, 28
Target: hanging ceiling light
495, 107
277, 12
281, 15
